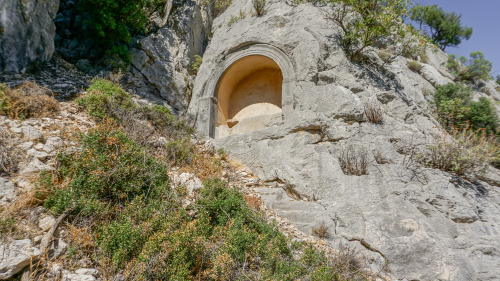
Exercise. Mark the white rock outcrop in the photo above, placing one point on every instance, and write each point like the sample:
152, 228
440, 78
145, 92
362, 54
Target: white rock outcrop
16, 255
423, 223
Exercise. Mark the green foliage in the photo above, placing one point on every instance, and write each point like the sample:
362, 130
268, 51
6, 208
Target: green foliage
120, 240
498, 79
364, 23
103, 94
476, 67
259, 7
455, 107
111, 24
180, 152
109, 167
445, 28
106, 99
198, 60
7, 224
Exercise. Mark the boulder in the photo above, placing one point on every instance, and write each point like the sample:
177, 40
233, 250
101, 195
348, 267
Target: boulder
16, 255
7, 191
31, 133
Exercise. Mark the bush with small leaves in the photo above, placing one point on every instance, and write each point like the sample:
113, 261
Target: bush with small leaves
364, 23
455, 107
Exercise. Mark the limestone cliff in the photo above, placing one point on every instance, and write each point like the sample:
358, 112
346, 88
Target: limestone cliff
423, 223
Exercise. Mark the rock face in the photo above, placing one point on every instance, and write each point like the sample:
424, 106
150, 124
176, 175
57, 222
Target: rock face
26, 33
15, 256
161, 62
423, 223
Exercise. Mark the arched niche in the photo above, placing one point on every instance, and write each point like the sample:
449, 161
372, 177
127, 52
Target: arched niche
249, 96
253, 82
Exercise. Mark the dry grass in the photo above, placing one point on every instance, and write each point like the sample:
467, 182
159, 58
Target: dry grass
259, 6
354, 161
462, 151
373, 112
31, 100
414, 65
253, 201
321, 231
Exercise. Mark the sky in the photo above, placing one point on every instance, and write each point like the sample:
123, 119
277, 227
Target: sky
484, 18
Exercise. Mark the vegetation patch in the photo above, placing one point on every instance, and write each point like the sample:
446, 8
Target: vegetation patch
133, 220
463, 152
259, 7
455, 108
354, 161
476, 67
28, 100
150, 125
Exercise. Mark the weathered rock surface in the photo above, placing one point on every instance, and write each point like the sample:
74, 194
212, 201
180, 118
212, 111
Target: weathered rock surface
161, 62
7, 191
14, 256
26, 33
424, 223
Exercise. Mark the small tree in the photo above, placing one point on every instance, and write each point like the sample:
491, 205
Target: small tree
364, 22
445, 28
477, 67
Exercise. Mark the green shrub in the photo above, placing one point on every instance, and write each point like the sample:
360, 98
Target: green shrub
498, 79
110, 167
105, 99
102, 95
180, 152
7, 224
364, 23
445, 28
198, 60
111, 24
121, 240
455, 107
